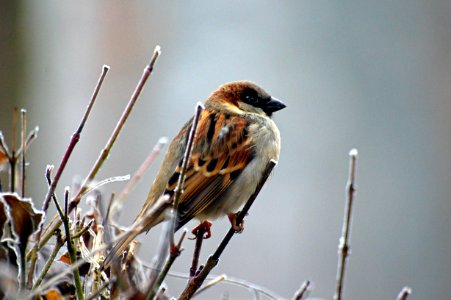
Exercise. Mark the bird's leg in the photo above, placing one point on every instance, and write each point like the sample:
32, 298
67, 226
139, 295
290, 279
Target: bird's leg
237, 227
205, 227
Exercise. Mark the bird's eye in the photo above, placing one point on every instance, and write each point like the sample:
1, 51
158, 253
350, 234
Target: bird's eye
250, 98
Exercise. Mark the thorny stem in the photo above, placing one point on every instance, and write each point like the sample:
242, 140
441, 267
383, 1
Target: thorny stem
196, 282
74, 140
343, 247
174, 252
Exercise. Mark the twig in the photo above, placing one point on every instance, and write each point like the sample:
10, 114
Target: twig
405, 292
173, 254
59, 243
199, 236
13, 160
196, 282
106, 150
117, 204
211, 283
4, 147
232, 281
33, 254
99, 291
73, 142
175, 250
70, 246
343, 247
23, 132
302, 292
186, 157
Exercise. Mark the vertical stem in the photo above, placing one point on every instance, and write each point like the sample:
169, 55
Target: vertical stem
70, 247
344, 244
24, 146
13, 159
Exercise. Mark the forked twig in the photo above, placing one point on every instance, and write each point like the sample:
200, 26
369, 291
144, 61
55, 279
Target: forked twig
106, 150
195, 283
343, 247
74, 140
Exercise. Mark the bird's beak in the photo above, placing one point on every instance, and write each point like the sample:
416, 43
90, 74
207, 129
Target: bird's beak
273, 105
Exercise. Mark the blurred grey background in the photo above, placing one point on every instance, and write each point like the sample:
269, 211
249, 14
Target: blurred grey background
372, 75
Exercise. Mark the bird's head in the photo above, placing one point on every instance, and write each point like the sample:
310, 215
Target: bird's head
244, 97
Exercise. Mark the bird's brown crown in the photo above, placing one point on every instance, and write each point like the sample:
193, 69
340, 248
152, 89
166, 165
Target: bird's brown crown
242, 97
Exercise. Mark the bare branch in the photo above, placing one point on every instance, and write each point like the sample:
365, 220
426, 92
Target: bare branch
343, 246
73, 142
23, 132
117, 204
405, 292
303, 291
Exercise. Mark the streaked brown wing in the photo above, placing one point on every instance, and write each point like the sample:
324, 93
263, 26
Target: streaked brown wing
220, 155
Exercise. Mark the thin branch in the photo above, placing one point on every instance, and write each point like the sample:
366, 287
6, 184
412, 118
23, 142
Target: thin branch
71, 246
23, 132
32, 136
186, 157
106, 150
99, 291
73, 142
106, 181
195, 283
117, 204
13, 160
232, 281
174, 252
343, 247
199, 236
211, 283
303, 291
59, 243
405, 292
4, 147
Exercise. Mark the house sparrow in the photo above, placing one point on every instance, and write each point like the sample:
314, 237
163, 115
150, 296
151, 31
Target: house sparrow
235, 140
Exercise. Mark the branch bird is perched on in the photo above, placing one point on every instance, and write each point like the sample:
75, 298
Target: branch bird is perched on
234, 142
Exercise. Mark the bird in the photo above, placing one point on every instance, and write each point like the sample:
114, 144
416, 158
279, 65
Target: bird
234, 141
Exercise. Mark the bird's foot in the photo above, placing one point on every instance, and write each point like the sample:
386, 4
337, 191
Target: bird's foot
238, 228
203, 229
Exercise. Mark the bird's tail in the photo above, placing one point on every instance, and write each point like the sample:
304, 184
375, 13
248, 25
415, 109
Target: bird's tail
120, 246
151, 218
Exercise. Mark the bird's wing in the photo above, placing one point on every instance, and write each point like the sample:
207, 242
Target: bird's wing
223, 148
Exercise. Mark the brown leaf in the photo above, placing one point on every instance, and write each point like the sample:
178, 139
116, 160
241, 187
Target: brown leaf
3, 219
23, 216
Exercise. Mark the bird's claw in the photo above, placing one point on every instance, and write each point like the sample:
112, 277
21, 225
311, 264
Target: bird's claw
238, 228
203, 229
